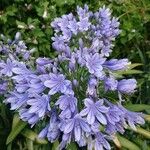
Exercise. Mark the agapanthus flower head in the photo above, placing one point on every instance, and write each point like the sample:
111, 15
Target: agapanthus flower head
68, 93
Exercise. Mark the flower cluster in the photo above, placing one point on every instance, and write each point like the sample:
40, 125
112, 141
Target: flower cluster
70, 90
11, 52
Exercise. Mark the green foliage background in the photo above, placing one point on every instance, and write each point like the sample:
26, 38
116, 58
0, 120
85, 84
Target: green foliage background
27, 16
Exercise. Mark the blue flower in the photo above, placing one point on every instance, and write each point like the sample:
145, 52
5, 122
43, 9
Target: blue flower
94, 64
6, 68
112, 129
91, 90
21, 69
132, 118
68, 104
84, 24
39, 105
36, 85
43, 61
73, 26
17, 100
57, 83
127, 86
101, 142
21, 83
114, 114
51, 131
77, 126
31, 118
3, 86
83, 12
114, 120
59, 43
115, 64
110, 83
94, 111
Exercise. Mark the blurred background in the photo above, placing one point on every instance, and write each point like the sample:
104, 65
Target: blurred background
33, 17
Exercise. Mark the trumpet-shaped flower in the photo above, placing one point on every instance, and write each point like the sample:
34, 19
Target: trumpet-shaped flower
94, 111
58, 83
94, 64
39, 105
68, 104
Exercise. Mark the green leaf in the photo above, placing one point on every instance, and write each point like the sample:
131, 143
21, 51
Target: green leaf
33, 136
16, 120
72, 146
126, 72
15, 131
131, 66
63, 2
147, 117
137, 107
21, 25
11, 10
127, 144
55, 145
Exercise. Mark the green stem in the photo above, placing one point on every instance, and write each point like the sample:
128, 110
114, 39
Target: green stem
29, 144
142, 131
127, 144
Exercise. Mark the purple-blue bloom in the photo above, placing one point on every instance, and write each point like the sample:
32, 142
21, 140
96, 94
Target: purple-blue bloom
31, 118
131, 118
127, 86
94, 111
112, 129
73, 26
51, 131
76, 126
84, 24
39, 105
83, 12
115, 64
58, 83
99, 143
94, 64
43, 61
36, 84
6, 68
17, 100
3, 87
114, 114
110, 83
91, 90
67, 93
68, 104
